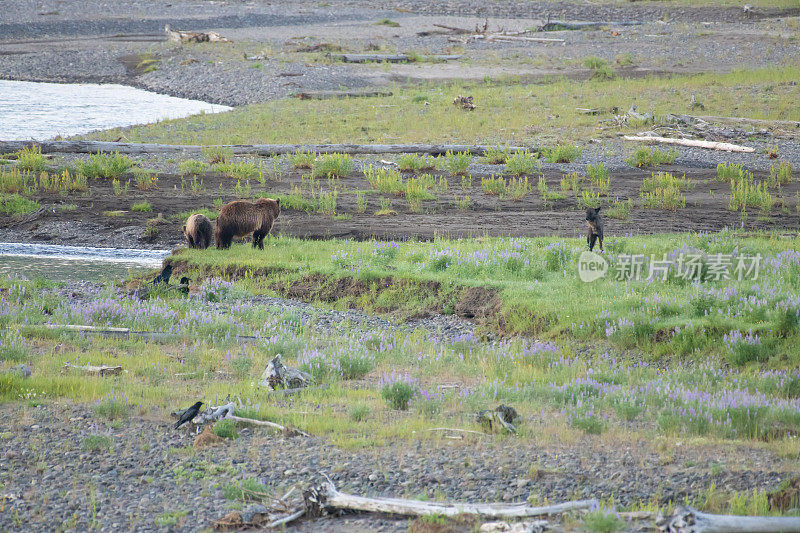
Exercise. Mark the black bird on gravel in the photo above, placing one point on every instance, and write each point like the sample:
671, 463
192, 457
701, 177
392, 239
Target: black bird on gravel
188, 414
164, 276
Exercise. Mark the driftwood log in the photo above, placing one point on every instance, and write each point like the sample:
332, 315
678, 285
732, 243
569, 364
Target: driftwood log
688, 520
222, 412
102, 370
88, 147
326, 95
391, 58
742, 120
279, 376
325, 497
182, 36
711, 145
506, 37
558, 25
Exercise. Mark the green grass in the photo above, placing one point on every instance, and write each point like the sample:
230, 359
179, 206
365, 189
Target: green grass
145, 180
14, 204
749, 192
27, 183
599, 177
193, 167
456, 164
506, 112
31, 158
244, 170
215, 155
388, 22
562, 153
669, 198
415, 163
780, 174
589, 199
651, 157
96, 443
601, 69
495, 156
665, 180
104, 165
142, 207
570, 183
620, 209
521, 163
729, 172
303, 159
385, 180
332, 166
226, 429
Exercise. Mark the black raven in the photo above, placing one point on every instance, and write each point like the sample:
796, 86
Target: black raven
184, 285
164, 276
188, 414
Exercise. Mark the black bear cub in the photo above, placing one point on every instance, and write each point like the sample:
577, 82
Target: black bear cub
595, 224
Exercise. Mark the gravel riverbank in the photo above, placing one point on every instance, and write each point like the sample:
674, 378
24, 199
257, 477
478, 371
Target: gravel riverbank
147, 471
72, 41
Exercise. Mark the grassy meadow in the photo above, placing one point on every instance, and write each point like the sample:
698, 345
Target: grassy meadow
509, 112
711, 360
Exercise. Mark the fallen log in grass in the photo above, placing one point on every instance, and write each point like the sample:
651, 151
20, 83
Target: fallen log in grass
102, 370
711, 145
327, 497
686, 520
326, 95
223, 412
88, 147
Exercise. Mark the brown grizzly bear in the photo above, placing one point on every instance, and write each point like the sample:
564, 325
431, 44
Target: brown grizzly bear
198, 231
240, 218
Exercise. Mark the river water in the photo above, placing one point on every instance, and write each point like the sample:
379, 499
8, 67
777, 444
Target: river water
75, 263
40, 111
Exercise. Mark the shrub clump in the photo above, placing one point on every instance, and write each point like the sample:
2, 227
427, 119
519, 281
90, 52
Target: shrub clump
397, 391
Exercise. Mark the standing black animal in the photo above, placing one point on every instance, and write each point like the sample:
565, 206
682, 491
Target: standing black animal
183, 287
189, 414
164, 276
595, 224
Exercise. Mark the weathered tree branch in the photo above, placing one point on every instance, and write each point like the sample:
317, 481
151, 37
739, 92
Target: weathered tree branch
325, 95
688, 520
102, 370
213, 414
390, 58
711, 145
327, 497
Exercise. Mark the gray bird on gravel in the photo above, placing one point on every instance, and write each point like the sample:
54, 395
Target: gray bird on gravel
189, 414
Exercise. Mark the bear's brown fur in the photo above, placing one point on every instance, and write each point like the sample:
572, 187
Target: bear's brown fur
198, 231
240, 218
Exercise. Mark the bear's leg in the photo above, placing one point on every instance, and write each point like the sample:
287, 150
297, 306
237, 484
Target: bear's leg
592, 239
600, 237
224, 239
190, 239
258, 239
589, 238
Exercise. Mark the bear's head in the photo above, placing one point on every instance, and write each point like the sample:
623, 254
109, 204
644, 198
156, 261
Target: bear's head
274, 206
